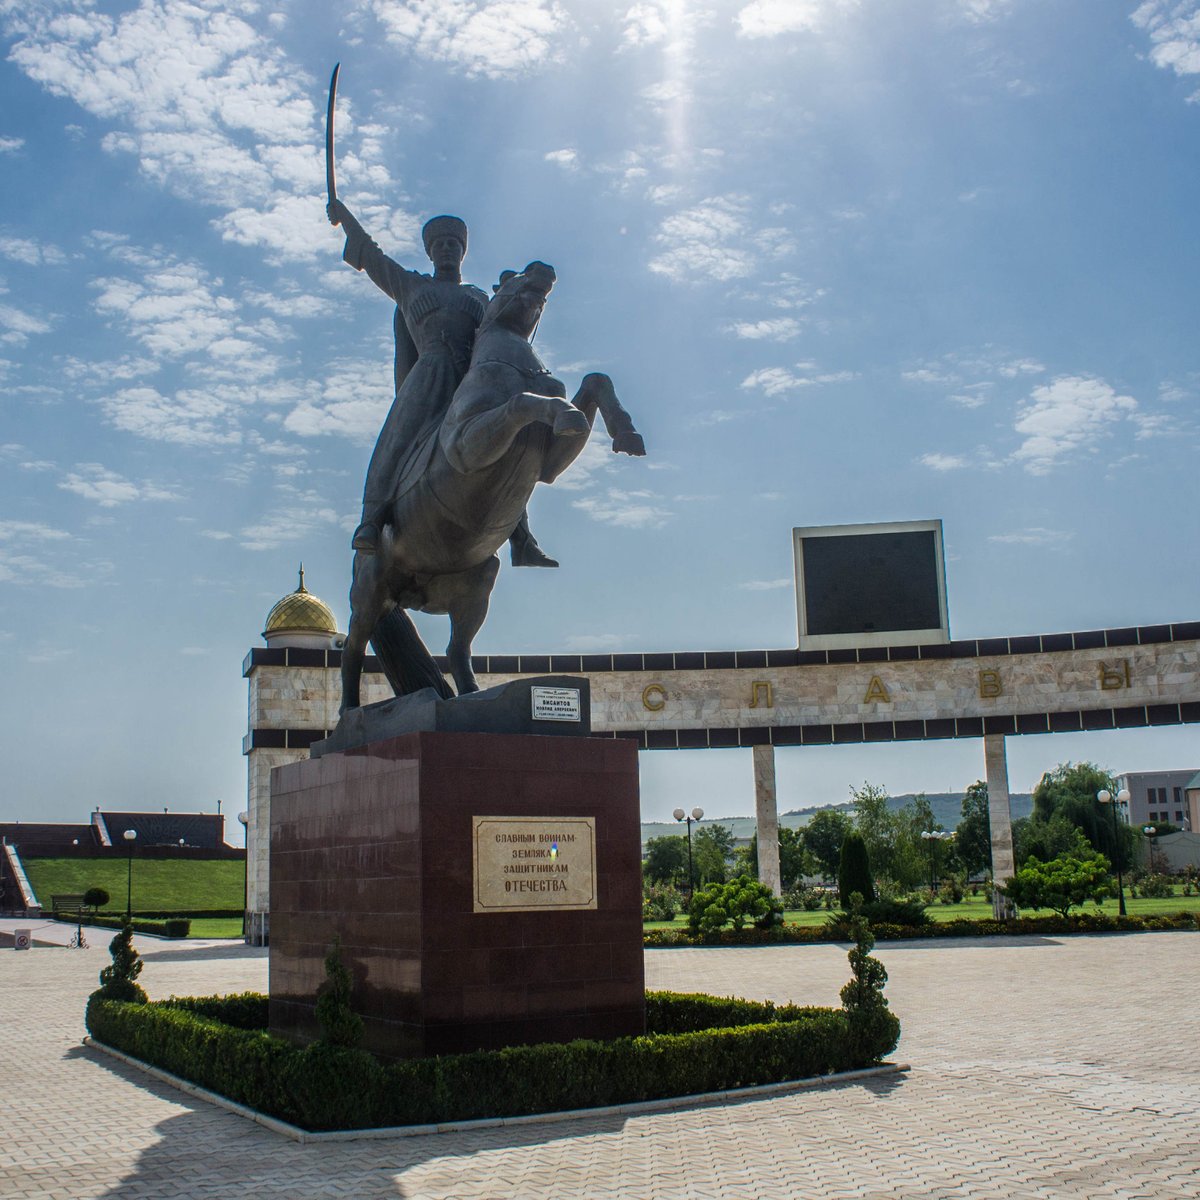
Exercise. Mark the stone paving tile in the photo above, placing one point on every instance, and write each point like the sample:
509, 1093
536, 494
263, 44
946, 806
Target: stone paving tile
1041, 1069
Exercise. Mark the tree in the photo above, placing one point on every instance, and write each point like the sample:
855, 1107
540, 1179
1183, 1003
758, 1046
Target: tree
874, 820
95, 897
1070, 791
823, 837
793, 858
712, 848
974, 833
1060, 884
118, 981
854, 870
1044, 840
734, 903
874, 1029
666, 859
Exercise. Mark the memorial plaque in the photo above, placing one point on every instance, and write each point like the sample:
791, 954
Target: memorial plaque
530, 864
555, 703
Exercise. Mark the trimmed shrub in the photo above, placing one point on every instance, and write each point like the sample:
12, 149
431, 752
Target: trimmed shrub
1155, 887
324, 1086
172, 927
854, 870
735, 903
95, 897
872, 1025
118, 979
660, 903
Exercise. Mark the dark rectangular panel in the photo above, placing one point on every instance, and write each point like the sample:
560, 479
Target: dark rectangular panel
535, 664
1032, 723
720, 660
755, 735
817, 735
1000, 724
504, 664
812, 658
968, 727
787, 735
841, 656
627, 662
1163, 714
878, 731
966, 648
1121, 637
941, 651
989, 646
659, 662
910, 731
852, 732
1090, 639
693, 739
301, 739
751, 658
1148, 635
870, 582
661, 739
782, 658
1130, 718
301, 656
597, 662
566, 664
1185, 631
1054, 642
633, 735
1065, 722
691, 661
941, 728
872, 654
1025, 645
1189, 712
268, 739
904, 653
722, 738
1096, 718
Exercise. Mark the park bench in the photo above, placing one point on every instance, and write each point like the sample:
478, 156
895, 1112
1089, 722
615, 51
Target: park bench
66, 902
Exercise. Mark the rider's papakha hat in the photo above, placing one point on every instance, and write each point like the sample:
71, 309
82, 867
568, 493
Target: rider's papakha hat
444, 227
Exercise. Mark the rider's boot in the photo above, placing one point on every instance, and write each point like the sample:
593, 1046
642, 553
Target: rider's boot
524, 549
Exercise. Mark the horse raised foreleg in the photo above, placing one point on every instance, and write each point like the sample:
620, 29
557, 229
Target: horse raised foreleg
465, 597
485, 438
596, 394
366, 607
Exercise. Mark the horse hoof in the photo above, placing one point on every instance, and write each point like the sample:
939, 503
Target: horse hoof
571, 423
629, 442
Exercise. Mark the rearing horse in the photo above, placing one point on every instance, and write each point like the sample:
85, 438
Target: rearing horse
508, 428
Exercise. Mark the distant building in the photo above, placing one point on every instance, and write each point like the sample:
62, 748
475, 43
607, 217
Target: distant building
1161, 796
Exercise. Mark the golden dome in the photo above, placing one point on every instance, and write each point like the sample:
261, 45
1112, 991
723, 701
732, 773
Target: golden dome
300, 612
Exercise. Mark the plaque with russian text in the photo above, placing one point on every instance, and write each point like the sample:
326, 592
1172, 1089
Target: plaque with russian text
531, 864
555, 703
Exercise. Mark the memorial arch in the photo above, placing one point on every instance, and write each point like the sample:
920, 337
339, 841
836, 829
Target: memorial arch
988, 689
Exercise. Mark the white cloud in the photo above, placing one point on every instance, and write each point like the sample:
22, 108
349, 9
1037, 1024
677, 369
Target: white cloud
108, 489
645, 25
765, 585
302, 516
775, 381
12, 531
350, 401
772, 329
1174, 29
1035, 536
190, 417
770, 18
33, 254
630, 510
943, 462
705, 242
10, 145
566, 158
1065, 417
495, 38
20, 324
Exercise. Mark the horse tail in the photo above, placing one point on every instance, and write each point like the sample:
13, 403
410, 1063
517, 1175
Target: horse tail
406, 662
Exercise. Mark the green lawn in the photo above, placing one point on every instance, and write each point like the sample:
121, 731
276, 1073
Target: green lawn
977, 908
216, 927
159, 885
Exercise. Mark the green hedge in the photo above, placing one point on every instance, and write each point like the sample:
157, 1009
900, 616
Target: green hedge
211, 1042
172, 927
804, 935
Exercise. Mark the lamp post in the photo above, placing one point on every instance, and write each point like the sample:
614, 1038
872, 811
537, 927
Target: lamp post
696, 815
931, 836
130, 838
1106, 797
244, 818
1151, 833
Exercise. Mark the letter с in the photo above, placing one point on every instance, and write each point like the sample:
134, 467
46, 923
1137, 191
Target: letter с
654, 697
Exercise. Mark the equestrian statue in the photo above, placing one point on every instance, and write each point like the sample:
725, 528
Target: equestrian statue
478, 421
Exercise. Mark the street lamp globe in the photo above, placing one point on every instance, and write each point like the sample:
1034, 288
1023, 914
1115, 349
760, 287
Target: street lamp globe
130, 834
697, 814
679, 814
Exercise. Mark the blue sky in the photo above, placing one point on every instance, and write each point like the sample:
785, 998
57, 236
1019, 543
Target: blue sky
846, 260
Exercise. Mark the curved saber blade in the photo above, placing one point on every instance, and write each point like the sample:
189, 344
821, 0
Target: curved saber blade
330, 182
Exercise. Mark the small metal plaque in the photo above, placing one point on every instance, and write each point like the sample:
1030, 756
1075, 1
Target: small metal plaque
531, 864
555, 704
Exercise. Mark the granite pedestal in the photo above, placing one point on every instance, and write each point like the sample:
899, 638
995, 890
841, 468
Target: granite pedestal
455, 869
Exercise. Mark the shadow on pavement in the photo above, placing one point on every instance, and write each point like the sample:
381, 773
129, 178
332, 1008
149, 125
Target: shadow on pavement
198, 953
207, 1152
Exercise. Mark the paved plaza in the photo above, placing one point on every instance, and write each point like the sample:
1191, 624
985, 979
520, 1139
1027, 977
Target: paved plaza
1041, 1067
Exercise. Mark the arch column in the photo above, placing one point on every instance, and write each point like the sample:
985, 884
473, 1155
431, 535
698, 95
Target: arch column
995, 757
766, 813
